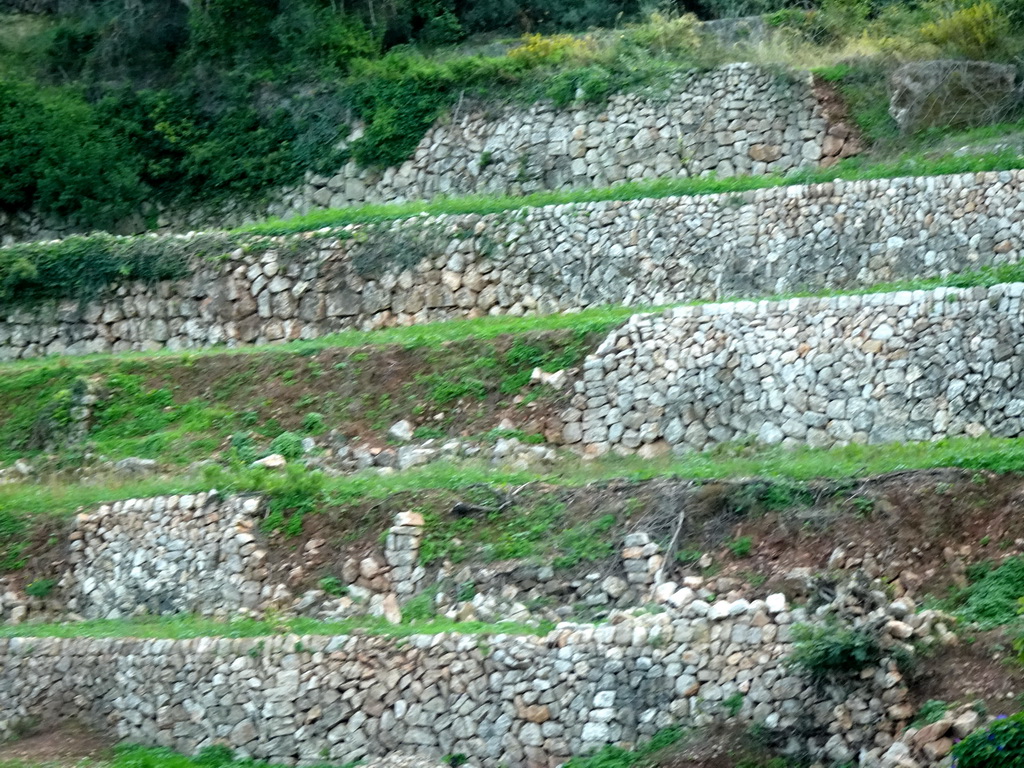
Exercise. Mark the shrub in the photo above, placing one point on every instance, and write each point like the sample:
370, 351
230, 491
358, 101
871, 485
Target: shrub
288, 444
741, 547
243, 447
534, 50
824, 653
977, 32
40, 587
1000, 745
313, 423
420, 607
333, 586
56, 156
672, 35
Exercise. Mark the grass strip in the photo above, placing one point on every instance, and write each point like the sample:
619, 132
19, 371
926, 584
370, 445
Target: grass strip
851, 169
1001, 455
190, 627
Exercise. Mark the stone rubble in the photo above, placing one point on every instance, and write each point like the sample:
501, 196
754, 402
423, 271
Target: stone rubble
689, 653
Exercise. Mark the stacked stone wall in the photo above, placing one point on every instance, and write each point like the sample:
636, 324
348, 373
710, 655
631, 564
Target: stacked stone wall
517, 701
840, 235
738, 119
195, 553
822, 372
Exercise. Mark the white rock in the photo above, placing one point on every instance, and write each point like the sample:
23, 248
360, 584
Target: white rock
273, 461
776, 602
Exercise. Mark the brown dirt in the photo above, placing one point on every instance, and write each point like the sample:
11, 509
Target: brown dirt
919, 529
717, 746
362, 391
984, 669
66, 745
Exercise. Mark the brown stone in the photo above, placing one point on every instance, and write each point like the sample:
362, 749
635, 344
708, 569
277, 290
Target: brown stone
765, 153
934, 731
938, 749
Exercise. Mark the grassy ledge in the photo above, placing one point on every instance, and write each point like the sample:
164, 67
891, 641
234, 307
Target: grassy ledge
994, 454
190, 627
852, 169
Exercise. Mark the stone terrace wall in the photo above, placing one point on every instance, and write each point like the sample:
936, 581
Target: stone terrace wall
737, 119
166, 555
913, 365
518, 701
563, 257
733, 120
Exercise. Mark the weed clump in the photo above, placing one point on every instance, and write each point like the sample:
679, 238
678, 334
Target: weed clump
994, 598
825, 653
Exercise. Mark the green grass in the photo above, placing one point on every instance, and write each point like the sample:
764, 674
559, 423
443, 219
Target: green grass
993, 598
987, 453
916, 163
188, 627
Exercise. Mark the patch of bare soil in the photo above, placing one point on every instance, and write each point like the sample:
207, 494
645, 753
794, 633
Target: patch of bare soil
365, 390
917, 531
717, 746
982, 670
65, 745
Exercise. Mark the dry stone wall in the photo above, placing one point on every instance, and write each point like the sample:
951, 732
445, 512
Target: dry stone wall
166, 555
517, 701
906, 366
550, 259
739, 119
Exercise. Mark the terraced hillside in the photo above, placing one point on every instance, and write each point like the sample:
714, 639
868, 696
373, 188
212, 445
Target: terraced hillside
503, 538
696, 442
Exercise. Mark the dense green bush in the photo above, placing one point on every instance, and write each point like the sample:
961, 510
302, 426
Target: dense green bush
288, 444
401, 95
55, 155
825, 653
1000, 745
978, 31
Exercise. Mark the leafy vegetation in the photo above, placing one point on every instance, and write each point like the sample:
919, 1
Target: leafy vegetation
825, 653
998, 745
993, 598
222, 101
